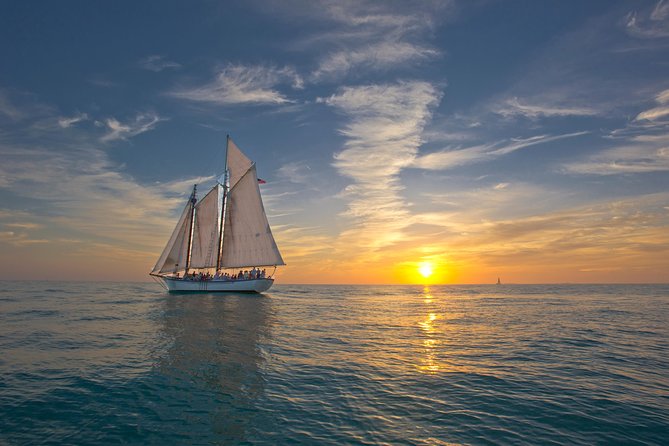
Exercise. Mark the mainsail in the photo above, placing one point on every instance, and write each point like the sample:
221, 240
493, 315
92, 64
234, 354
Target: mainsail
244, 240
247, 237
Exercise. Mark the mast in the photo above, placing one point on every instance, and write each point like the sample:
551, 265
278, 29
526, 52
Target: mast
223, 207
193, 200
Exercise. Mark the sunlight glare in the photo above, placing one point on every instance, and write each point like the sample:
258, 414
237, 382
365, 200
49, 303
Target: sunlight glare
425, 269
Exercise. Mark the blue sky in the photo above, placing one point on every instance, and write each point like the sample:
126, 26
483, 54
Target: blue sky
525, 139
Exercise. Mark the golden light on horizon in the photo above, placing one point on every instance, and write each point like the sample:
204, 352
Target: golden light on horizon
422, 271
425, 269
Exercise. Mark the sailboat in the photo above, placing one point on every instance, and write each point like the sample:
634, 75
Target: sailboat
223, 241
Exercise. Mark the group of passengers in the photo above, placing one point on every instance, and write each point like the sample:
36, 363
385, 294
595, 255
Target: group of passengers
255, 273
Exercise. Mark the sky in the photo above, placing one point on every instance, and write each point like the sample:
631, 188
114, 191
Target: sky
469, 140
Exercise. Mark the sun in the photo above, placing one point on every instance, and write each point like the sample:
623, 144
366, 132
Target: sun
425, 269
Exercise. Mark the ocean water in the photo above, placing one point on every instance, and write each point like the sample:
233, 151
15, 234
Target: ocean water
113, 363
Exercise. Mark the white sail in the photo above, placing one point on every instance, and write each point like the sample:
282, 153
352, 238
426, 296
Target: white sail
176, 251
247, 237
245, 241
238, 164
204, 251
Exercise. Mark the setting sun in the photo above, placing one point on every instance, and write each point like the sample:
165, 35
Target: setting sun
425, 269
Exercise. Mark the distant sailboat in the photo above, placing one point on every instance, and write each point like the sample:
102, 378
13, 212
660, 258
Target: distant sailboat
225, 232
498, 281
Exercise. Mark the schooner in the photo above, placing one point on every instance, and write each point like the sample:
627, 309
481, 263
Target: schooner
225, 232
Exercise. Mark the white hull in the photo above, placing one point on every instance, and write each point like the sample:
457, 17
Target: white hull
216, 286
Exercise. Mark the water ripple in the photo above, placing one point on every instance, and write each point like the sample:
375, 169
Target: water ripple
124, 363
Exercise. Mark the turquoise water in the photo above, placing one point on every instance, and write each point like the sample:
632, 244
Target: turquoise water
108, 363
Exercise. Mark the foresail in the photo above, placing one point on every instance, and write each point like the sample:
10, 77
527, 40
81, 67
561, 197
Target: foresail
238, 164
204, 251
247, 237
174, 255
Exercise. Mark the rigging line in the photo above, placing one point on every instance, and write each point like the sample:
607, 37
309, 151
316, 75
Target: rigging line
159, 282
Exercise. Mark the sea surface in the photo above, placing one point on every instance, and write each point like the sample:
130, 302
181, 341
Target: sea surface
126, 363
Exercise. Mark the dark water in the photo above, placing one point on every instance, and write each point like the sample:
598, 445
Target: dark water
84, 363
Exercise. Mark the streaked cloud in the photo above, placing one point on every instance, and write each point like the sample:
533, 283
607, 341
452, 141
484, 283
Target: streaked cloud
240, 84
297, 172
362, 37
642, 146
69, 121
375, 57
383, 136
117, 130
625, 159
84, 196
650, 23
447, 159
158, 63
8, 109
655, 113
625, 237
513, 107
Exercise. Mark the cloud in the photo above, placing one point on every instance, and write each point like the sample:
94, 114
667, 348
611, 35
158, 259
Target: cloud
297, 172
656, 112
19, 239
649, 24
83, 195
358, 37
447, 159
142, 123
238, 84
383, 136
18, 106
640, 158
513, 107
377, 56
608, 234
157, 63
643, 146
8, 109
65, 122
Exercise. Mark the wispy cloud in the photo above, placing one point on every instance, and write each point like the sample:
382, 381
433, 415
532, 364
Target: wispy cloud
86, 196
450, 158
361, 37
297, 172
142, 123
639, 158
8, 109
239, 84
375, 57
555, 245
19, 238
18, 105
383, 137
69, 121
513, 107
649, 23
158, 63
660, 111
643, 145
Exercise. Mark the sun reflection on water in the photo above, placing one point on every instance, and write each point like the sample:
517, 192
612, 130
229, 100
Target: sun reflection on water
429, 363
